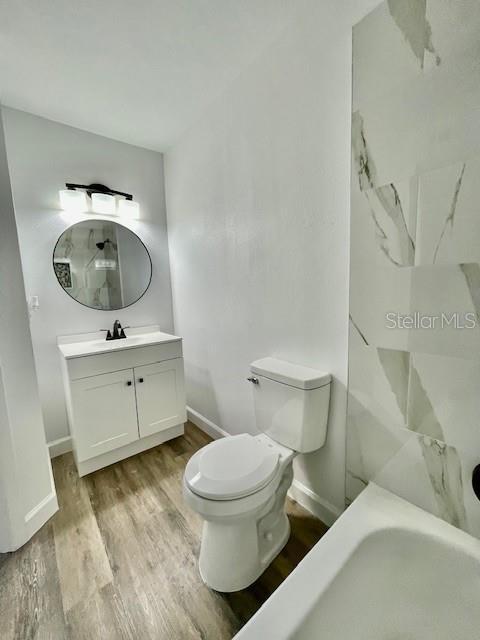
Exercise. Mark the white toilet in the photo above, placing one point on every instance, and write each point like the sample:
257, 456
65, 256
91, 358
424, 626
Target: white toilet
239, 484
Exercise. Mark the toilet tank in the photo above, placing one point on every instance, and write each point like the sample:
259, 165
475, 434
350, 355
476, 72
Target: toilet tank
291, 403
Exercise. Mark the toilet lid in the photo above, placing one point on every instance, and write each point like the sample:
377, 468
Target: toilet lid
232, 467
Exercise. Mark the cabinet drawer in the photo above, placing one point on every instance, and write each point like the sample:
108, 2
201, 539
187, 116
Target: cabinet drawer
123, 359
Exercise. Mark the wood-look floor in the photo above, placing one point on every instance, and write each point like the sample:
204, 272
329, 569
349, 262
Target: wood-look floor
119, 559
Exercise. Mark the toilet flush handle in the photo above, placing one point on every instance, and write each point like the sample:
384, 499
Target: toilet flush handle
253, 380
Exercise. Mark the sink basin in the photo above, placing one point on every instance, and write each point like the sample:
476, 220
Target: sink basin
89, 344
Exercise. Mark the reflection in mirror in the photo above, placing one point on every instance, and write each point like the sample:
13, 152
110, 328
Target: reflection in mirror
102, 264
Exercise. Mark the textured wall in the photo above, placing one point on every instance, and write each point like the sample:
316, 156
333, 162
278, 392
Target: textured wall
257, 201
42, 156
414, 401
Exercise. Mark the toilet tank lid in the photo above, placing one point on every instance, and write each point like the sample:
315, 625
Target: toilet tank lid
294, 375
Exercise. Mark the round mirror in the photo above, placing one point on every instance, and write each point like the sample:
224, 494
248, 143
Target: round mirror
102, 264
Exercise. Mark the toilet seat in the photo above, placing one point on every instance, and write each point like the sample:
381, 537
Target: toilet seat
232, 467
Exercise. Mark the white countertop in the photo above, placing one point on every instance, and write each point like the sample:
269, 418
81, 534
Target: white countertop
81, 345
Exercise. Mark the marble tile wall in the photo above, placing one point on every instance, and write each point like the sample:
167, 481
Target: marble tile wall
413, 423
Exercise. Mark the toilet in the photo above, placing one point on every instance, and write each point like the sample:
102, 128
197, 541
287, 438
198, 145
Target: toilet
238, 484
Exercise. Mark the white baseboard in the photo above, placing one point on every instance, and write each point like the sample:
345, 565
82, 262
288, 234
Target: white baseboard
39, 515
60, 446
311, 501
15, 534
206, 425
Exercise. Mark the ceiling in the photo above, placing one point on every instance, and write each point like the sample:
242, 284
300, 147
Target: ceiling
140, 71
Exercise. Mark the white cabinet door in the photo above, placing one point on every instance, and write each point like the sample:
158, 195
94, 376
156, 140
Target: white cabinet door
160, 389
104, 413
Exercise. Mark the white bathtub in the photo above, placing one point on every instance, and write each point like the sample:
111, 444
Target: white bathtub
386, 570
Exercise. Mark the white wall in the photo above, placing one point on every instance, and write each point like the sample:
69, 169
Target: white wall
258, 210
27, 493
42, 156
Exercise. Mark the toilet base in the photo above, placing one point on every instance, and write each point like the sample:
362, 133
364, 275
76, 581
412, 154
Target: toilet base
220, 578
236, 551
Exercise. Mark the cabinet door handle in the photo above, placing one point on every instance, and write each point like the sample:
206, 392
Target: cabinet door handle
129, 383
140, 379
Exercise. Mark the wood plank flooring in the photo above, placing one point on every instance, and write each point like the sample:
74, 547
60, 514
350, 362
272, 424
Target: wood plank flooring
119, 559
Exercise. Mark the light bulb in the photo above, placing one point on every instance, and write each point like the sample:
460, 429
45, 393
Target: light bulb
73, 201
103, 203
128, 209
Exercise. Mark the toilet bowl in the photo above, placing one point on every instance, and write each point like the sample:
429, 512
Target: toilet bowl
238, 484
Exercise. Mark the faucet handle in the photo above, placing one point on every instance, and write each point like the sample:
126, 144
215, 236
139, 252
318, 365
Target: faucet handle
108, 332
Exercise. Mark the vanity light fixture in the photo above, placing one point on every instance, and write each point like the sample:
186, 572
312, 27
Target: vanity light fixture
104, 200
73, 201
128, 209
103, 203
105, 263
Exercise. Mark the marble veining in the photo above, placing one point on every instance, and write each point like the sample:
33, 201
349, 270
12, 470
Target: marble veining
421, 413
390, 202
396, 365
410, 17
363, 161
447, 213
445, 473
413, 403
358, 330
384, 202
451, 215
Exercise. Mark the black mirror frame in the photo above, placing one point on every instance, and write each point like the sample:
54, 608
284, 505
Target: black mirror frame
82, 303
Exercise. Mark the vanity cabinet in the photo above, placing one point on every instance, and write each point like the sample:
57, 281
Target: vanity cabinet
104, 413
126, 399
160, 396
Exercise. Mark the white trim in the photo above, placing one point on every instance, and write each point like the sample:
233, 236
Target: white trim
39, 515
311, 501
59, 446
137, 446
320, 508
206, 425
